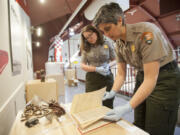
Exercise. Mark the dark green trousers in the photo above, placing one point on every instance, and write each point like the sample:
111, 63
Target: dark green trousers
96, 81
158, 113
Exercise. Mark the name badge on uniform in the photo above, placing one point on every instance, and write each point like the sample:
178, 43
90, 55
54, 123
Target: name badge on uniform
148, 37
105, 46
133, 48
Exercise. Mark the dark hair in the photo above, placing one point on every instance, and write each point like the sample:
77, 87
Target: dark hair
85, 45
109, 13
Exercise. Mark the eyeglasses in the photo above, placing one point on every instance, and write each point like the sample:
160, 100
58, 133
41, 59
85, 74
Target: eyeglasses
89, 36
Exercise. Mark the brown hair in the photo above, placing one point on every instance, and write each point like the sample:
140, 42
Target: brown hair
85, 45
109, 13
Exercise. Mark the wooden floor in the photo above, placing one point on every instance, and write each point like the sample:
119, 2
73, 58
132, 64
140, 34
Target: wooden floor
119, 100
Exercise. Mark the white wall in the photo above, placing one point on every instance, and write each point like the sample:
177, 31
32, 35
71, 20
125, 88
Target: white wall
12, 87
73, 42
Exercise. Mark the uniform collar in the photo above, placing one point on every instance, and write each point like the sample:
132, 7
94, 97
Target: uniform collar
130, 29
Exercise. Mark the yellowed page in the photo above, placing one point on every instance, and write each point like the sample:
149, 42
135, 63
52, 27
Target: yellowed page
87, 108
93, 127
90, 116
87, 101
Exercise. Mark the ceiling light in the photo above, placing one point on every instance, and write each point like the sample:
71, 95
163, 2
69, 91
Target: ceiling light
71, 33
71, 29
39, 31
42, 1
178, 17
78, 24
61, 42
37, 44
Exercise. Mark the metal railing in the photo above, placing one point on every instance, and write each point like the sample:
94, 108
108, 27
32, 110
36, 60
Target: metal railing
128, 87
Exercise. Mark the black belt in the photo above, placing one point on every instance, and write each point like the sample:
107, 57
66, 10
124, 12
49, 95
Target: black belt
169, 66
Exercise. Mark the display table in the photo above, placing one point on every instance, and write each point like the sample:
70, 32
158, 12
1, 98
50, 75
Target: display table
71, 77
67, 126
60, 83
54, 68
46, 90
70, 74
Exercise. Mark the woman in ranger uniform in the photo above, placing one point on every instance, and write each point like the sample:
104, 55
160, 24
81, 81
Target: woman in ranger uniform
96, 55
157, 90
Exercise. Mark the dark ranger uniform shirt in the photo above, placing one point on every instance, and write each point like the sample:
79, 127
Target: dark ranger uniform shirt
99, 55
144, 43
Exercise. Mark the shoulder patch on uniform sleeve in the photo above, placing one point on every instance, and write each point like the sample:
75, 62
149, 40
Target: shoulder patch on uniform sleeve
147, 37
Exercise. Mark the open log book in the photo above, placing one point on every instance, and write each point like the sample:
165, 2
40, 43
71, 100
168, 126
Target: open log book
87, 108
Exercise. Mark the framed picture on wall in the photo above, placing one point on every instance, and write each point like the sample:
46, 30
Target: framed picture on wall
15, 36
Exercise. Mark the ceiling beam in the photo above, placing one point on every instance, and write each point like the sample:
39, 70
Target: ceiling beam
156, 21
69, 6
72, 16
